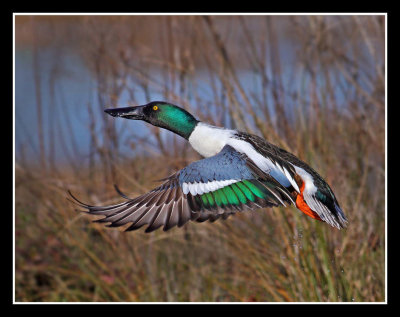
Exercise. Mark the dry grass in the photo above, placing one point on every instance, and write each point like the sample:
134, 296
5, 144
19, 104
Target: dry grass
330, 113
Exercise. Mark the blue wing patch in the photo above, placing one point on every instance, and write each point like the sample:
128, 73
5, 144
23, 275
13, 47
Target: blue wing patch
281, 178
226, 165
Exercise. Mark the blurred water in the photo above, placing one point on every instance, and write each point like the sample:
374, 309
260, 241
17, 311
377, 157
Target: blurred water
68, 88
65, 112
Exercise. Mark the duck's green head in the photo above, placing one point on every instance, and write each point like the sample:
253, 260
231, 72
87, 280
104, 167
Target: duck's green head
160, 114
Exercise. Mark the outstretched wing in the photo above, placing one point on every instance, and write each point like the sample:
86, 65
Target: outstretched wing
208, 189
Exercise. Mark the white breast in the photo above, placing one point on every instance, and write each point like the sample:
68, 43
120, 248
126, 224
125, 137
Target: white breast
208, 140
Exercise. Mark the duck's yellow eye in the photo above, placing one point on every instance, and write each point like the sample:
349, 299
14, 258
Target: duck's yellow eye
155, 108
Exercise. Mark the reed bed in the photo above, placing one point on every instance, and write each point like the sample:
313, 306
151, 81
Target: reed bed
328, 108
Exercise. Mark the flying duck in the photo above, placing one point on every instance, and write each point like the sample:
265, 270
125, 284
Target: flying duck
239, 172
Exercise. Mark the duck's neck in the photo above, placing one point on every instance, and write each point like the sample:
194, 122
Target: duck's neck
209, 140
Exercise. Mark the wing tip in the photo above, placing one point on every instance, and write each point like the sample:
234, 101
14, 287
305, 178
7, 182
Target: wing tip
76, 201
120, 192
339, 219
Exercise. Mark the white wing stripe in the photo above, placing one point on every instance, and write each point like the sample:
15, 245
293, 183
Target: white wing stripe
193, 189
202, 188
185, 188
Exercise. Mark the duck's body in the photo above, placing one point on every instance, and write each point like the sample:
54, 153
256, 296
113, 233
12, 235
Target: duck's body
240, 171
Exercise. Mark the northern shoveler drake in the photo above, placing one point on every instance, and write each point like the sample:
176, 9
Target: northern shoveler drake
239, 171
